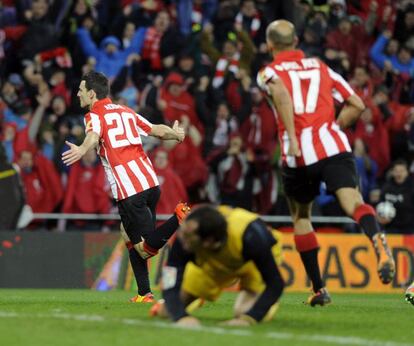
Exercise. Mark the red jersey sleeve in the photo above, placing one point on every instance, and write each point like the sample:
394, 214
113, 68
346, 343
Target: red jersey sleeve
144, 126
341, 89
93, 123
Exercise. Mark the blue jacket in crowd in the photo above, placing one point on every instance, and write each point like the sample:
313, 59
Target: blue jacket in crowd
110, 64
379, 57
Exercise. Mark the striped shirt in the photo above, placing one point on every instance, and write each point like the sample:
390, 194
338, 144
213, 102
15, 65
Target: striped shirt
127, 167
313, 87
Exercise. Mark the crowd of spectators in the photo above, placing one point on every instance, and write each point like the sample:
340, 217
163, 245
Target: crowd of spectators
196, 62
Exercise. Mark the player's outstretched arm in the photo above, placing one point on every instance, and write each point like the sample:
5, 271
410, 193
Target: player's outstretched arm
284, 106
165, 132
76, 152
350, 112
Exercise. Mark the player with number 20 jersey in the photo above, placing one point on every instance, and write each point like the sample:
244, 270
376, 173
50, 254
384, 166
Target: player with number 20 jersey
127, 167
116, 131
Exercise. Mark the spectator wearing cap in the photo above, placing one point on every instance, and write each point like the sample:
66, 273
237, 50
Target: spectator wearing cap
175, 101
109, 56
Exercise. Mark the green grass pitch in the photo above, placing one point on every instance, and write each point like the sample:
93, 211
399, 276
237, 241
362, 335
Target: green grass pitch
85, 317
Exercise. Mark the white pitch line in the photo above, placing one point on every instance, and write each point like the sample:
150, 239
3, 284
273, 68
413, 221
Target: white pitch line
328, 339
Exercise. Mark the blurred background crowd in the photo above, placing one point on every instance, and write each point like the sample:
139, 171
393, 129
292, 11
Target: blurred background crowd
196, 62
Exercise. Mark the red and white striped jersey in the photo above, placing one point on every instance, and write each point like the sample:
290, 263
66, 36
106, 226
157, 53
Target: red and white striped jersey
312, 86
127, 167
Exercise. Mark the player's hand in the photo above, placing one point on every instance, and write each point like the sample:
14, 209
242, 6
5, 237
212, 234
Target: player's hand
72, 155
236, 322
294, 149
179, 131
188, 322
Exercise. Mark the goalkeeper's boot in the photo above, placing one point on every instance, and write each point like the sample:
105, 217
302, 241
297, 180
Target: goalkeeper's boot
320, 297
386, 264
181, 211
147, 298
409, 294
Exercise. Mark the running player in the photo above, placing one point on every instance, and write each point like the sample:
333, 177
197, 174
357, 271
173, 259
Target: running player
325, 151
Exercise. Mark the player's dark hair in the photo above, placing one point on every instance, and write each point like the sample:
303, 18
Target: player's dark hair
97, 82
211, 224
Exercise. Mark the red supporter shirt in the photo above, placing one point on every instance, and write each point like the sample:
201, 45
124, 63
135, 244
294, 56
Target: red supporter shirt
312, 86
127, 167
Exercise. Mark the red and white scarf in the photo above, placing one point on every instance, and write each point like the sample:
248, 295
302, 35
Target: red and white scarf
223, 65
254, 26
151, 48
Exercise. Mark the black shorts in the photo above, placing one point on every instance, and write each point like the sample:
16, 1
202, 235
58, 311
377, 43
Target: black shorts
138, 213
303, 183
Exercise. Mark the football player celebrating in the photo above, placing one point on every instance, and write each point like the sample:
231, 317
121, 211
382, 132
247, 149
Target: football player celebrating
325, 152
116, 132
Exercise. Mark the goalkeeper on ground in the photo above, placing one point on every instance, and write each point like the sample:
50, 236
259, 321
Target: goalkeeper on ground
215, 248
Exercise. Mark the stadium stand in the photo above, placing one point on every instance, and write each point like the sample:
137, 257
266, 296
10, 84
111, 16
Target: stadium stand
196, 61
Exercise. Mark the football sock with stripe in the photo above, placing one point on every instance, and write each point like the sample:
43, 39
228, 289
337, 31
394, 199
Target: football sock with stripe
365, 216
308, 248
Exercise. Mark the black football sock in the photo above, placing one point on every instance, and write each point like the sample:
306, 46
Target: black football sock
140, 269
364, 215
159, 237
370, 225
310, 262
308, 247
